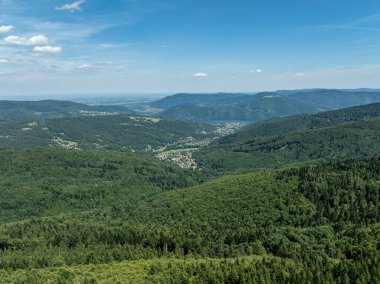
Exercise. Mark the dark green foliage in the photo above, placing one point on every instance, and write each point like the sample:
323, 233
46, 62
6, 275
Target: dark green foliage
11, 111
193, 99
113, 132
244, 108
339, 134
300, 123
335, 99
112, 217
47, 182
258, 107
321, 222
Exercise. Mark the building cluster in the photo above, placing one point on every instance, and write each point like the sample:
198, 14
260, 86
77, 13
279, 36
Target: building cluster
182, 154
184, 159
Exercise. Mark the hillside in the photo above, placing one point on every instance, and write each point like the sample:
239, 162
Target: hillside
46, 182
13, 111
299, 142
335, 99
317, 223
90, 216
222, 107
192, 99
244, 108
299, 123
112, 132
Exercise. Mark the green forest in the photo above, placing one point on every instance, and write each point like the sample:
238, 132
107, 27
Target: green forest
352, 132
123, 132
289, 200
300, 224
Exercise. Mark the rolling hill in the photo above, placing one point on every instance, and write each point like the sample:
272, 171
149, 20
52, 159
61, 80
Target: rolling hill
44, 182
296, 225
223, 107
334, 99
300, 123
112, 132
13, 111
193, 99
352, 132
243, 108
90, 216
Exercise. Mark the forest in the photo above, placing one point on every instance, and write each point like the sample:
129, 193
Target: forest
351, 132
288, 200
316, 222
189, 142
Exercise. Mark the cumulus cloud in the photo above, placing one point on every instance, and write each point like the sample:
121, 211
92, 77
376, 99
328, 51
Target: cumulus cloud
48, 49
34, 40
200, 74
5, 29
76, 6
257, 71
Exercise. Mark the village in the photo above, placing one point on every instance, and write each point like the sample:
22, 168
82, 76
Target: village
181, 151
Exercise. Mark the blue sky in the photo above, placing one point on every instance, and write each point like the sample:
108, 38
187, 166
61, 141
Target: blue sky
147, 46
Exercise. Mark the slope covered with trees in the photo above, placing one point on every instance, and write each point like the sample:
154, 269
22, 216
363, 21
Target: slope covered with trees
244, 108
46, 182
89, 216
261, 106
326, 99
192, 99
352, 132
316, 223
112, 132
13, 111
300, 123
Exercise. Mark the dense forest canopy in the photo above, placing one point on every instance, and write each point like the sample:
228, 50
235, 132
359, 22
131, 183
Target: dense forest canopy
322, 217
288, 200
351, 132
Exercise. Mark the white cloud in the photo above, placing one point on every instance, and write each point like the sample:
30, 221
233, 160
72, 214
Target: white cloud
85, 66
257, 71
5, 29
76, 6
200, 74
95, 65
34, 40
300, 74
48, 49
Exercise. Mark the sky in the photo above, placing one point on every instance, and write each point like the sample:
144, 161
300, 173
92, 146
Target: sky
53, 47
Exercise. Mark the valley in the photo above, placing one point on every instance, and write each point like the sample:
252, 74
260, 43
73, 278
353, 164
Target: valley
124, 197
189, 142
181, 152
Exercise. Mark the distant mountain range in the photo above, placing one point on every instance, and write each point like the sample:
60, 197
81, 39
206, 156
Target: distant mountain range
229, 107
193, 99
12, 111
223, 107
335, 99
207, 108
241, 108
